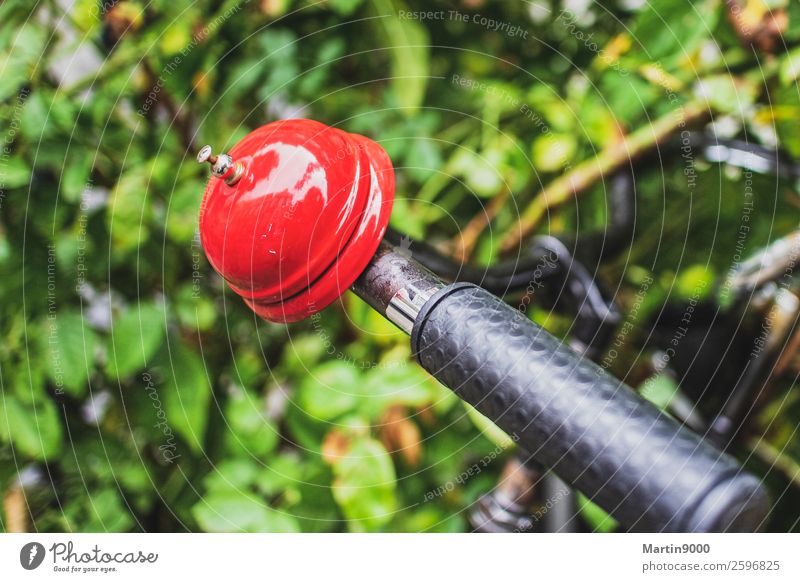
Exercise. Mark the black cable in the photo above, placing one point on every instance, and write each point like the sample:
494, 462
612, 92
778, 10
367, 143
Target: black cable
539, 263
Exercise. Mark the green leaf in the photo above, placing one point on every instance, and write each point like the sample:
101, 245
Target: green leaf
695, 282
598, 519
476, 170
364, 485
194, 309
499, 165
19, 59
176, 36
783, 113
45, 114
236, 474
5, 250
489, 429
793, 32
546, 109
250, 432
280, 47
727, 94
329, 390
128, 212
85, 14
35, 429
237, 511
404, 384
107, 513
790, 67
552, 152
616, 90
75, 177
423, 159
409, 45
182, 217
248, 367
302, 354
136, 335
70, 348
281, 474
15, 173
186, 396
345, 7
34, 117
429, 519
660, 390
666, 28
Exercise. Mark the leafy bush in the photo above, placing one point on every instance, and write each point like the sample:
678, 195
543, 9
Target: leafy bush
139, 394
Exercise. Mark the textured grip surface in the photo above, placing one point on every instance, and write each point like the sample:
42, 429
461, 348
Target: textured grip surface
635, 462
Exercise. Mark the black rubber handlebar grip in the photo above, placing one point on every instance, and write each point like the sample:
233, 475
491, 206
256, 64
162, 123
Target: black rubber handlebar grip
637, 463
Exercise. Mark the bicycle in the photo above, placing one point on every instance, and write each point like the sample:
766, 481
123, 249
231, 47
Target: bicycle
564, 411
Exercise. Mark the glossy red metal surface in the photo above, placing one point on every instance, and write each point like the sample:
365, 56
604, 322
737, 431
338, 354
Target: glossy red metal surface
303, 221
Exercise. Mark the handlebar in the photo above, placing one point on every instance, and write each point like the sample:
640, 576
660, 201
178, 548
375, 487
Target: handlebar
596, 433
571, 416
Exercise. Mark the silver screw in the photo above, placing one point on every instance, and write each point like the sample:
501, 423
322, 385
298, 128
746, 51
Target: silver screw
220, 164
205, 155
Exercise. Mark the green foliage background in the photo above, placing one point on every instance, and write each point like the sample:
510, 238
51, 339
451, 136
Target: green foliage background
139, 394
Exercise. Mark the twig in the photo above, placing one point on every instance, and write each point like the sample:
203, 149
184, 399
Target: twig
775, 458
587, 173
179, 120
16, 510
464, 243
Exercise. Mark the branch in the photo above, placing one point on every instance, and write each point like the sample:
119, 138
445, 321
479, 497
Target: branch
464, 243
586, 174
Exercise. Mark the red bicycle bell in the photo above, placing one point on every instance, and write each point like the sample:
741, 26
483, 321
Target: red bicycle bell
294, 213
